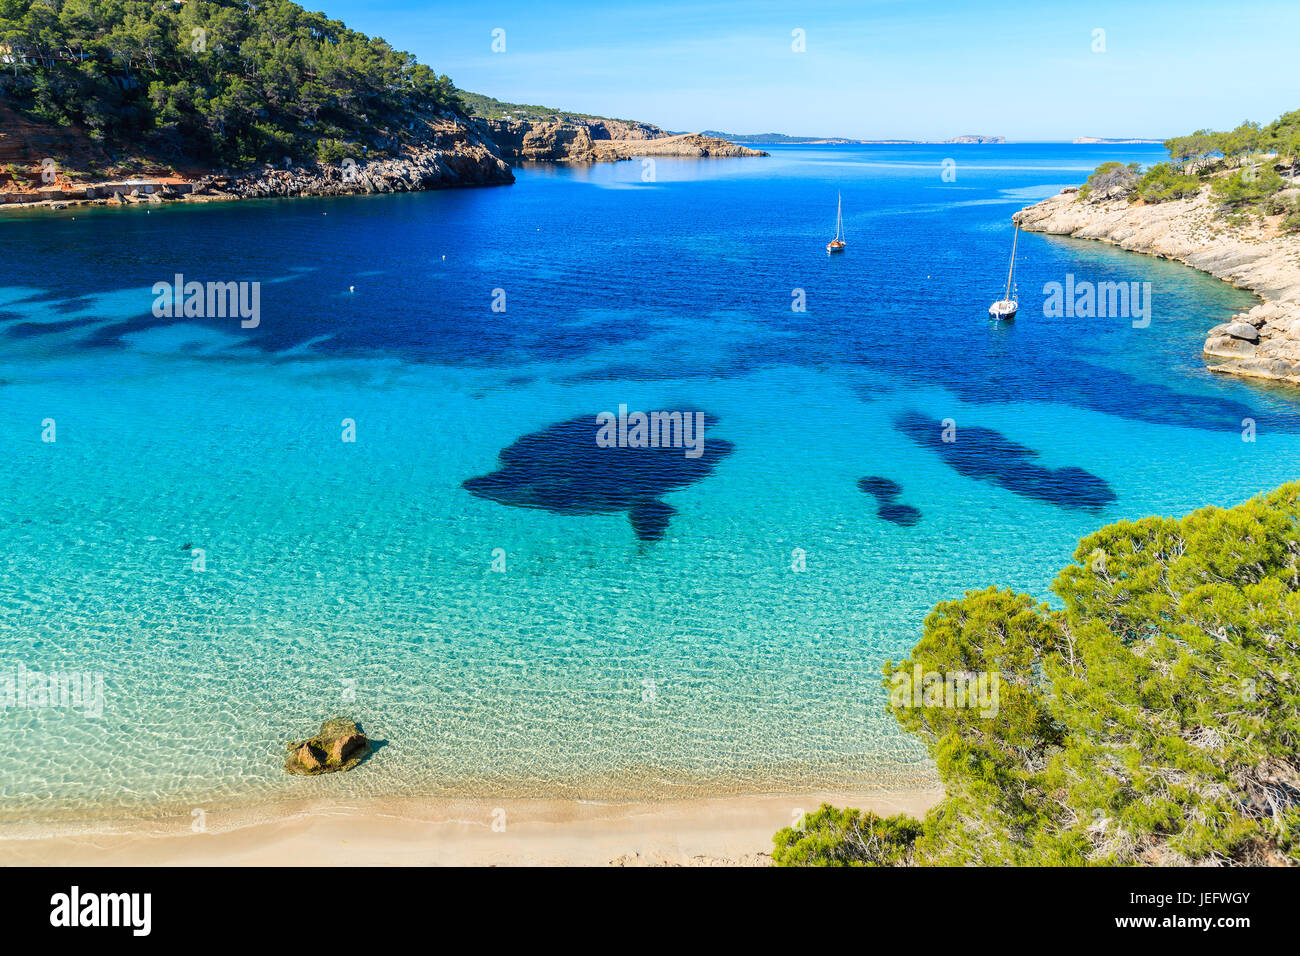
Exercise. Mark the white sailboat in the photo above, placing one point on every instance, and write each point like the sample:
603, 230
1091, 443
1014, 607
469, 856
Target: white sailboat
1006, 307
837, 244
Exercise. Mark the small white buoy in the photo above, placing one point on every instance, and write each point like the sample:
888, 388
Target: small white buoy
352, 288
444, 258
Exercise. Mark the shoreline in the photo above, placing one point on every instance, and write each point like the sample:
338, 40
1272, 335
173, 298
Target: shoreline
1261, 343
716, 831
460, 154
449, 152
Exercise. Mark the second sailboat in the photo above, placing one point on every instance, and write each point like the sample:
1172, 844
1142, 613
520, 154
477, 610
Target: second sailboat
837, 244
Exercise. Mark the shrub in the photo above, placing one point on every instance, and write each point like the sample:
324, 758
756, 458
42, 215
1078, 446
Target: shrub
1153, 719
1110, 181
1163, 183
1246, 187
334, 151
831, 837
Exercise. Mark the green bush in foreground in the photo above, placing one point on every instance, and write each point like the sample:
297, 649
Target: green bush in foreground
831, 837
1154, 719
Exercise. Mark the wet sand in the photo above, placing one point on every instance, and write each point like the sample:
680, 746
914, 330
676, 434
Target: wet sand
727, 831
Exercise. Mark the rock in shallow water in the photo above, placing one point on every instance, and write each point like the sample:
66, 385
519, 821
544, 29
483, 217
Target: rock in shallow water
340, 745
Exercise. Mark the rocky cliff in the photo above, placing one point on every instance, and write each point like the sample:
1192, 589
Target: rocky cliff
449, 151
597, 141
1263, 342
453, 153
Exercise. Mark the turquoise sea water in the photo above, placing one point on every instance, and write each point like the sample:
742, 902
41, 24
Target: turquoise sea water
357, 577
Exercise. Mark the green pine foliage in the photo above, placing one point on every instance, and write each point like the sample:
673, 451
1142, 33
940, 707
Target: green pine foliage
1162, 182
1240, 165
1153, 719
831, 837
212, 80
1246, 187
1206, 149
476, 104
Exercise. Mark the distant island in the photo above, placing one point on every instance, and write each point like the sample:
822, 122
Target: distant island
1099, 139
783, 139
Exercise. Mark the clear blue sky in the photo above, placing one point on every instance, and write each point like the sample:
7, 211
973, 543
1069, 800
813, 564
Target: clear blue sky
872, 69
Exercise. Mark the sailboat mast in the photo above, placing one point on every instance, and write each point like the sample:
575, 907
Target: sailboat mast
839, 215
1012, 268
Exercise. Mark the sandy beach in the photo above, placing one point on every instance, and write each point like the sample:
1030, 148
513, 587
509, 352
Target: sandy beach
730, 831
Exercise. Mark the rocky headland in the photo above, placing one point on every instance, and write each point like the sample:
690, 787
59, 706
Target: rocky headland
453, 150
1263, 342
454, 154
583, 140
449, 151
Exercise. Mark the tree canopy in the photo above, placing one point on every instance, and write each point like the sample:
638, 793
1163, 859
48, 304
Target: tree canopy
1235, 146
213, 80
1236, 163
1152, 719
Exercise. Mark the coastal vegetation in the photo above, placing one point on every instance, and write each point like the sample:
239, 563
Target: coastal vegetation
832, 837
476, 104
1251, 172
1152, 719
214, 81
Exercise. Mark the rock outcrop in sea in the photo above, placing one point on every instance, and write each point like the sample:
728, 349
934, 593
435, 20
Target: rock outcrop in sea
453, 153
449, 151
600, 141
1263, 342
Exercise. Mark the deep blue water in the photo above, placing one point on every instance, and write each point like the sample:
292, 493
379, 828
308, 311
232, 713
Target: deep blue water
678, 652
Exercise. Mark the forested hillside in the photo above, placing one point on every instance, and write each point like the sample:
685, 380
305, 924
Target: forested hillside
226, 83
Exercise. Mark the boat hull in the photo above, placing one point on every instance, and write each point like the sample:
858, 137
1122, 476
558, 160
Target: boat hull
1004, 311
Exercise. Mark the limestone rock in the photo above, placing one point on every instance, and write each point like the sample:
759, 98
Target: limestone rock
309, 758
1258, 343
339, 745
571, 140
